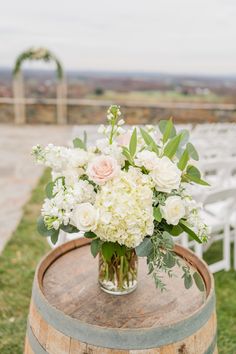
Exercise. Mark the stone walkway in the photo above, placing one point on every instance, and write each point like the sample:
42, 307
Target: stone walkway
18, 172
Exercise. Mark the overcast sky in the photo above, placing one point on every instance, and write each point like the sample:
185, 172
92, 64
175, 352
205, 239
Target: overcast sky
175, 36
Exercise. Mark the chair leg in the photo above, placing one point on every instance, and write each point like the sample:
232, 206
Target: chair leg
234, 248
184, 240
226, 246
198, 249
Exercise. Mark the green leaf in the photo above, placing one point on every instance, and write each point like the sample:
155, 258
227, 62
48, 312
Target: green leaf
193, 171
199, 281
176, 230
189, 231
120, 249
188, 280
42, 229
108, 249
70, 229
169, 243
95, 247
149, 140
194, 175
162, 126
49, 190
90, 234
183, 160
78, 143
185, 137
197, 180
157, 214
169, 260
145, 248
133, 143
126, 153
168, 130
172, 146
54, 237
192, 151
85, 140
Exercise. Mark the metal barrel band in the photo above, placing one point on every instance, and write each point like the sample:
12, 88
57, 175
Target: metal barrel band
38, 349
119, 338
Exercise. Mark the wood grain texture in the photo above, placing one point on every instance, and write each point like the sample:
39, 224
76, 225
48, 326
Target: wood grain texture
67, 278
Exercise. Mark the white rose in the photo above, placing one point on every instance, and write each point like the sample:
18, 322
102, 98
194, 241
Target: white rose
173, 210
166, 175
147, 159
84, 217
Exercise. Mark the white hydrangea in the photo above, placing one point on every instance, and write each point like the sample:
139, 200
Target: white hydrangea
125, 209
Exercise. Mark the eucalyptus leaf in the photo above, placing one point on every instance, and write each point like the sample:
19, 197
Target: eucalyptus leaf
193, 171
169, 260
78, 143
70, 229
145, 248
199, 281
188, 280
184, 137
192, 151
42, 229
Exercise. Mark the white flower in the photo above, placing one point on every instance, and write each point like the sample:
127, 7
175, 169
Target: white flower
166, 175
173, 210
147, 159
125, 209
84, 217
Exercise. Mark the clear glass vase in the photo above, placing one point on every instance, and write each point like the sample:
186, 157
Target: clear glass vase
119, 275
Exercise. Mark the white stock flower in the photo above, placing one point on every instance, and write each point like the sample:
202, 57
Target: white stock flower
125, 209
166, 175
84, 217
173, 210
147, 159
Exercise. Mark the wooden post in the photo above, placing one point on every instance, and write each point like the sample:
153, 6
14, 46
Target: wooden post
61, 101
19, 104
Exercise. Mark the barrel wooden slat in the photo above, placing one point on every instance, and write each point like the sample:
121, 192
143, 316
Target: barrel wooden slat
69, 314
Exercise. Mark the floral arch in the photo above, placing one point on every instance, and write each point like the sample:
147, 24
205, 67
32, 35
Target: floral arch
38, 54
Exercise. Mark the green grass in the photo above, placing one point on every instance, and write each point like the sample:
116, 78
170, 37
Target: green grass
154, 96
17, 265
26, 247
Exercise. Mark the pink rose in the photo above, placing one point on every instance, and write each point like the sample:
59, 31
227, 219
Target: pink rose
124, 139
102, 168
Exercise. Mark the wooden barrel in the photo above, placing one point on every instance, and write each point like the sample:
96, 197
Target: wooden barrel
69, 313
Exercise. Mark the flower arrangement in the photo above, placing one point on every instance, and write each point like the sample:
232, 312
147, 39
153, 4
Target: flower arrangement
128, 194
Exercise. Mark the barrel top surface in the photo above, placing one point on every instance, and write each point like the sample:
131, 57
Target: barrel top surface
69, 283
